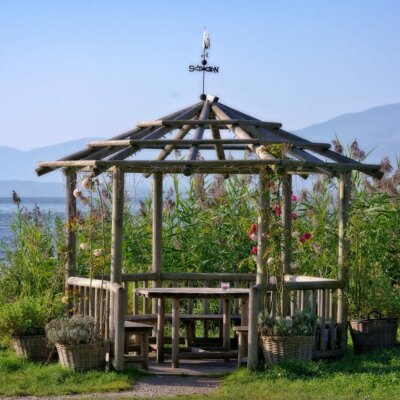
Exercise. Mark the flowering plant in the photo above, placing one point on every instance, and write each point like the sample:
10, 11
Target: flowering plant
73, 330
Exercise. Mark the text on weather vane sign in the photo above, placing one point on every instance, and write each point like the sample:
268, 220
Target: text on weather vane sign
201, 68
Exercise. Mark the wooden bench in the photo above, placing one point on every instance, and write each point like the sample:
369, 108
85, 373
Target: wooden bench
242, 333
139, 330
188, 321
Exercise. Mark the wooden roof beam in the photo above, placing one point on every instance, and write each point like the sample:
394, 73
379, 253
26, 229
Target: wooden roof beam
198, 133
90, 152
167, 150
208, 123
324, 152
215, 165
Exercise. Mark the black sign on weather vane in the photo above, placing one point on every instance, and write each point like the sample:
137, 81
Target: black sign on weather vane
204, 67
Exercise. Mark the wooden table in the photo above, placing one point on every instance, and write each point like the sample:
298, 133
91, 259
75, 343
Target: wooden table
177, 294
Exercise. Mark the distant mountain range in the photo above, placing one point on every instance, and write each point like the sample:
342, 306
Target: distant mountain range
376, 129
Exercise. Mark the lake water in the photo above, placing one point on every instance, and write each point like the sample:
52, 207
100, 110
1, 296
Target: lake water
56, 205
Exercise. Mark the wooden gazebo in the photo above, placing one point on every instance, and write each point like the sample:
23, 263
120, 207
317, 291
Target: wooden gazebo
186, 130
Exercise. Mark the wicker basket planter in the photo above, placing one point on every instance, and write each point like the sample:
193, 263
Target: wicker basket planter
33, 347
281, 348
82, 357
371, 334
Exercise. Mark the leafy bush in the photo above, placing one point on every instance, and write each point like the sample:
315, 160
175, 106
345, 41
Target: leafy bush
28, 316
73, 330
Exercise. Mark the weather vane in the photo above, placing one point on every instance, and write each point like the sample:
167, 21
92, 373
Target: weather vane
203, 67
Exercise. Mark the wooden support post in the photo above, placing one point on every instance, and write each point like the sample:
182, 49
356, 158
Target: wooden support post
175, 332
226, 325
160, 330
157, 246
263, 224
117, 224
116, 241
287, 222
343, 253
287, 235
119, 328
70, 264
254, 308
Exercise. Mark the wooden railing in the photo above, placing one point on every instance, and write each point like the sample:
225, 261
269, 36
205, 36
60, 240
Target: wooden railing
324, 297
105, 302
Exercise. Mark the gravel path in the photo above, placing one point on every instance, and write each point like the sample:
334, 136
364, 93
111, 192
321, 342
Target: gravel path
147, 387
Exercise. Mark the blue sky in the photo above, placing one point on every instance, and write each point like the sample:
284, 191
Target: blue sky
73, 69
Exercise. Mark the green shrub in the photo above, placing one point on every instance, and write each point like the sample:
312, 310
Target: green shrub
28, 316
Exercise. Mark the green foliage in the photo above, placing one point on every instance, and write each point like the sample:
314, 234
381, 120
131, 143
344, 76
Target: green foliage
73, 330
302, 323
33, 262
204, 230
28, 316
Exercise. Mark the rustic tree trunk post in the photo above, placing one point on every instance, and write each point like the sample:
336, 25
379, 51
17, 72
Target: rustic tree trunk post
261, 279
343, 253
70, 264
287, 222
287, 235
71, 213
116, 256
157, 245
263, 225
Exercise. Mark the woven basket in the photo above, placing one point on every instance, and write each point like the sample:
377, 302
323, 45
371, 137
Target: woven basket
82, 357
280, 348
371, 334
34, 347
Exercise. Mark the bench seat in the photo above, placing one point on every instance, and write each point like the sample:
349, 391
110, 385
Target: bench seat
139, 330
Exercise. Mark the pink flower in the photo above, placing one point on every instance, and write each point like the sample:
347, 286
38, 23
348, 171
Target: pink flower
307, 235
294, 216
302, 239
254, 250
273, 280
252, 236
254, 228
277, 209
294, 197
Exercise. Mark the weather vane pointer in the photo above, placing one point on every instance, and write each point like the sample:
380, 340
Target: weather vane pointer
204, 67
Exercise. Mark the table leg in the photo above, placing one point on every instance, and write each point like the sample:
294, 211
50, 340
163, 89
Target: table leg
244, 311
160, 330
175, 333
226, 325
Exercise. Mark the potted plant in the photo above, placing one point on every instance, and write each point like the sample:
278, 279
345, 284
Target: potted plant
79, 344
372, 328
22, 325
288, 338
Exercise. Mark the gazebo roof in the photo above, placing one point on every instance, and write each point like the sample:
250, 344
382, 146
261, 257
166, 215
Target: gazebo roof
244, 132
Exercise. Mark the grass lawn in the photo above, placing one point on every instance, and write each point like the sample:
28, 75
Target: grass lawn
367, 377
23, 378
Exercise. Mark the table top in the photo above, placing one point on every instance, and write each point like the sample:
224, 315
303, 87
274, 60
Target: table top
195, 293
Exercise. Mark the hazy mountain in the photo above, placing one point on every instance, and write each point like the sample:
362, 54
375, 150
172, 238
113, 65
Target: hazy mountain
20, 164
376, 129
